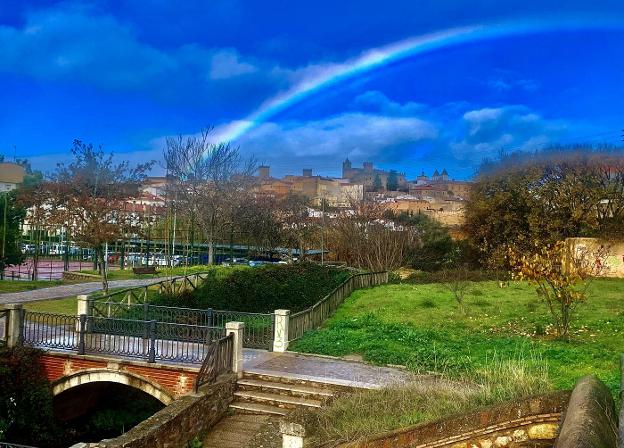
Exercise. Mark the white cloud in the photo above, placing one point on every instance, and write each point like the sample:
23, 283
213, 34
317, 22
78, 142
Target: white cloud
227, 63
513, 127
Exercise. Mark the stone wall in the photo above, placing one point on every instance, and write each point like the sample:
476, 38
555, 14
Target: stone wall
590, 419
181, 421
80, 276
531, 422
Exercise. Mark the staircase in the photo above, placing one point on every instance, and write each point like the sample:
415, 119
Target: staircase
277, 396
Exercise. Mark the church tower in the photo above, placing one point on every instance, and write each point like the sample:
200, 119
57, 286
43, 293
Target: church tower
346, 168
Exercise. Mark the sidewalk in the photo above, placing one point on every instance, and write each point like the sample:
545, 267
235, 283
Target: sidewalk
58, 292
322, 369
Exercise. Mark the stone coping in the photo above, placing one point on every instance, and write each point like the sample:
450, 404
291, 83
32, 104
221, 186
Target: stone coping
539, 409
314, 379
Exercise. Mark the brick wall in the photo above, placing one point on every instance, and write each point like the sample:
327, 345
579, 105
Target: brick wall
177, 381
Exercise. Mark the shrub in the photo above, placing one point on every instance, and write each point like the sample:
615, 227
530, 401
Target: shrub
26, 413
263, 289
421, 277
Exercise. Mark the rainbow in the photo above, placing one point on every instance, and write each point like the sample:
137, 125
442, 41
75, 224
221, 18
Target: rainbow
332, 74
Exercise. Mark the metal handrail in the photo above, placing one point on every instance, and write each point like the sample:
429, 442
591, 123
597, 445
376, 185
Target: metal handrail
146, 339
219, 360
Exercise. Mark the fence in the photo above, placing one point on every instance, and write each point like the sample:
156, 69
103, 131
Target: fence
172, 286
219, 360
259, 327
314, 316
146, 339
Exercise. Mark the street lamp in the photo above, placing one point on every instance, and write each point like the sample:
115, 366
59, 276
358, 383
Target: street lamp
322, 199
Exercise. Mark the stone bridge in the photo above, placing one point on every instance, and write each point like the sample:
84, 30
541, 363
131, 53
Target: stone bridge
164, 382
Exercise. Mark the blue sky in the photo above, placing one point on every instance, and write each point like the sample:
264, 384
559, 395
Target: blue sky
127, 74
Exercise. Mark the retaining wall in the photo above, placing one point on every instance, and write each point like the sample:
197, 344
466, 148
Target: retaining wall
181, 421
531, 422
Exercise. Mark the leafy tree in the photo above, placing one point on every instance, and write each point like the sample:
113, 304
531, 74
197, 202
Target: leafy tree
392, 184
89, 196
12, 215
26, 414
545, 197
377, 183
436, 248
562, 289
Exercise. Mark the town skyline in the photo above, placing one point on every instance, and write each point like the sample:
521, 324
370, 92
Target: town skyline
398, 87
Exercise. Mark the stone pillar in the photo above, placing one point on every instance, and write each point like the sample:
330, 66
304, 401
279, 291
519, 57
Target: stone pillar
84, 305
236, 328
280, 335
15, 324
293, 435
84, 308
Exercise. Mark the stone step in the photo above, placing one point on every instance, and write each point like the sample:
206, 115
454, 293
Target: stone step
283, 401
298, 390
234, 431
288, 379
246, 407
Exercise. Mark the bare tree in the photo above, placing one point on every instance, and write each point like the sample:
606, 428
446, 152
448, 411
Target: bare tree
210, 180
364, 238
90, 196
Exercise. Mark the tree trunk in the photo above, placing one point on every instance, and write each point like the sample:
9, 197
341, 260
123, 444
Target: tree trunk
103, 274
211, 251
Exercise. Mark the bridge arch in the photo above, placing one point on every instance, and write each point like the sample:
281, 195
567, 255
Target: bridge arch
111, 376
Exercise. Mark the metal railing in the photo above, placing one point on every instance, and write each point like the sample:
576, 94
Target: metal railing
259, 327
219, 359
258, 331
171, 286
146, 311
314, 316
146, 339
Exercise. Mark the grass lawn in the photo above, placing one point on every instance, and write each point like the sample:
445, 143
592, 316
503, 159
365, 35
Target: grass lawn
19, 285
420, 326
163, 271
67, 305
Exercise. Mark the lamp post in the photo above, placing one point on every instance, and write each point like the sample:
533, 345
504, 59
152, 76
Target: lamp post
322, 199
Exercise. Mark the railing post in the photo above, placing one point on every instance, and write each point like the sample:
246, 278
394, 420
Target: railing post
237, 329
15, 324
85, 305
210, 318
82, 324
145, 311
152, 342
280, 332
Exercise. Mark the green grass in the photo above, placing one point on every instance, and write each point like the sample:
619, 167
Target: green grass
67, 305
163, 271
420, 326
368, 412
7, 286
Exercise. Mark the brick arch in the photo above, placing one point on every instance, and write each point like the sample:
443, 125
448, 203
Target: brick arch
111, 376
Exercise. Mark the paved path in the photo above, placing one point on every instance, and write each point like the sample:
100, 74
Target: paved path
235, 431
323, 369
58, 292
